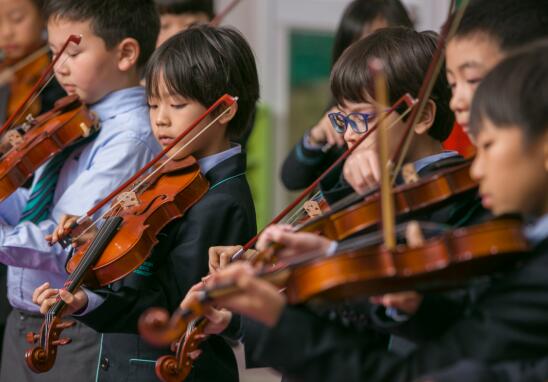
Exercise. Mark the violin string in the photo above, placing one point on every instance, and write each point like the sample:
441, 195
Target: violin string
152, 173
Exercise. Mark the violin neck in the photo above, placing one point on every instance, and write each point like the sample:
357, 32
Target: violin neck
93, 253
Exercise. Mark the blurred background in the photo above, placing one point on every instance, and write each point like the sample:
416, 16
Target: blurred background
293, 41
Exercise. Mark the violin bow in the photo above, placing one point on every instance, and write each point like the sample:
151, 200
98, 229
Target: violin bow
48, 72
453, 19
387, 199
221, 15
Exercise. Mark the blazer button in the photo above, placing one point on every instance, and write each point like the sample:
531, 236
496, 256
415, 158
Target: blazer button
105, 363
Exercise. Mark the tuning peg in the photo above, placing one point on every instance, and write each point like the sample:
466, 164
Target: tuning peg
61, 342
32, 337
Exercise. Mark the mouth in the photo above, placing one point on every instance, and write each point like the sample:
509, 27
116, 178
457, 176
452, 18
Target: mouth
164, 140
486, 200
69, 88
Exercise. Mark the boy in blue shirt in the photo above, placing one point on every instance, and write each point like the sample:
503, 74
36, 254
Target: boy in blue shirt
118, 36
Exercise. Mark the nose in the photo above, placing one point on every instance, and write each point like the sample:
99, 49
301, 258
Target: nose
6, 31
62, 68
161, 118
350, 136
459, 99
476, 170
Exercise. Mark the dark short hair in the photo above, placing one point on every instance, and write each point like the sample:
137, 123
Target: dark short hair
512, 23
406, 55
202, 63
362, 12
113, 20
515, 93
178, 7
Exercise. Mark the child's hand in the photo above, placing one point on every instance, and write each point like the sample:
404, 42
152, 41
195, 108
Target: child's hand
45, 297
257, 299
220, 256
65, 224
218, 318
324, 133
293, 243
362, 170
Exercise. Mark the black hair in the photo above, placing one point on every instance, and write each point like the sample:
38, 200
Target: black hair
362, 12
406, 55
113, 20
178, 7
515, 93
202, 63
511, 23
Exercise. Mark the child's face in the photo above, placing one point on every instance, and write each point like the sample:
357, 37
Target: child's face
468, 60
88, 69
171, 24
512, 173
20, 28
171, 115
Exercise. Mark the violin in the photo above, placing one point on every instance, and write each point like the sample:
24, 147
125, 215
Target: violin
41, 138
359, 212
144, 205
365, 269
27, 146
19, 78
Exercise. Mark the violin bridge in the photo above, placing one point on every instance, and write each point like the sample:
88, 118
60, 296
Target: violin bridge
128, 199
312, 208
85, 129
409, 173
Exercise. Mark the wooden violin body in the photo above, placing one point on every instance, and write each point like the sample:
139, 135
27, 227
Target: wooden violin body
46, 136
168, 195
340, 223
444, 261
124, 244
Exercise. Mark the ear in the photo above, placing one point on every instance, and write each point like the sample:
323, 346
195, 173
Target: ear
128, 54
227, 117
427, 118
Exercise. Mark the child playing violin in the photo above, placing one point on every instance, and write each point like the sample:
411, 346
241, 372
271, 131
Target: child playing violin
25, 57
506, 322
221, 62
103, 71
322, 145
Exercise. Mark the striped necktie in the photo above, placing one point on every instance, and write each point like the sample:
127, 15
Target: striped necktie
41, 198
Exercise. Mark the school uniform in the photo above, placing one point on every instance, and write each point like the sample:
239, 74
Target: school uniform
224, 216
506, 323
122, 146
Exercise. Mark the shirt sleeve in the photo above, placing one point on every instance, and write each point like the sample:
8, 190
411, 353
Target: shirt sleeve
12, 207
23, 245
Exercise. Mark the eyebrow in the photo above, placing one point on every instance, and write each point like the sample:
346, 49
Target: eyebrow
469, 64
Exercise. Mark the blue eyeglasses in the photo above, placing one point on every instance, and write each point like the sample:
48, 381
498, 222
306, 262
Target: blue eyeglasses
358, 122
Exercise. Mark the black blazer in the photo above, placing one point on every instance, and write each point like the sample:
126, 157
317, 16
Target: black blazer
302, 166
506, 323
224, 216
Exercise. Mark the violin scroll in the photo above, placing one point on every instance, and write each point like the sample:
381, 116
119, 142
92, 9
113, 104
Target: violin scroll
176, 368
41, 358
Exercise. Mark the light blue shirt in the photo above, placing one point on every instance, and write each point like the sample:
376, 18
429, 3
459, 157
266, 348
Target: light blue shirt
124, 144
206, 164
